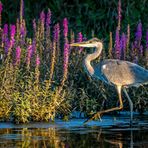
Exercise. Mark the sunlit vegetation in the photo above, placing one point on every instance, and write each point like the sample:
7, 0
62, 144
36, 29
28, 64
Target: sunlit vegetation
42, 77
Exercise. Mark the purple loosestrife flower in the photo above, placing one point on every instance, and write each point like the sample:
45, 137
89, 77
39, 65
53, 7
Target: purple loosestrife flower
42, 17
12, 35
141, 50
22, 31
48, 18
48, 23
65, 25
5, 29
80, 39
34, 46
17, 55
5, 39
117, 44
34, 26
66, 50
139, 32
42, 20
29, 54
9, 44
146, 52
124, 40
37, 60
12, 31
5, 34
66, 57
119, 14
56, 32
1, 7
123, 43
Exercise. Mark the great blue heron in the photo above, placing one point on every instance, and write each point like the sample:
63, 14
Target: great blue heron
121, 74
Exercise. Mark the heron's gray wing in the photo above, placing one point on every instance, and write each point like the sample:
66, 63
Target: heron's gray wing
120, 72
140, 75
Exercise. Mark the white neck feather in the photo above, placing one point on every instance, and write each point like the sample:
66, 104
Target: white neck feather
91, 57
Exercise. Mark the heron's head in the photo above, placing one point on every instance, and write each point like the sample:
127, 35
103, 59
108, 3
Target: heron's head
94, 42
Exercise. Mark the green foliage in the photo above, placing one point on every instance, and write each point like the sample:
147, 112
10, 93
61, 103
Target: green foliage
85, 16
31, 92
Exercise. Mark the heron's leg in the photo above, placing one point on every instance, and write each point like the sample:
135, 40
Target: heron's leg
131, 104
108, 110
119, 143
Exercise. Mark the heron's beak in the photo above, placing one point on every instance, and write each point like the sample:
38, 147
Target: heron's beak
79, 44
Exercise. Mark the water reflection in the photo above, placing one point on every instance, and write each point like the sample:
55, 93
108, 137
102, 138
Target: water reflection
86, 137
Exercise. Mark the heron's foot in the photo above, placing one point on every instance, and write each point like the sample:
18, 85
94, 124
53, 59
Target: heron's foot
94, 117
97, 116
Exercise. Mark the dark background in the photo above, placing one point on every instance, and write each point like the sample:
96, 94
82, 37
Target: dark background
83, 15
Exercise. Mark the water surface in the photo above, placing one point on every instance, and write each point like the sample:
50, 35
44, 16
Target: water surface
112, 132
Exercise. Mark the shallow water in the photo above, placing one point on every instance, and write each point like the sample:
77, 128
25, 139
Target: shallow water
111, 132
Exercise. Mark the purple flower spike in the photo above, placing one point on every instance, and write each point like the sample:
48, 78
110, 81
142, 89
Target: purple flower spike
147, 39
6, 29
66, 57
42, 17
117, 44
80, 39
119, 14
124, 40
56, 32
34, 46
18, 55
29, 54
22, 31
119, 10
5, 34
37, 60
141, 50
5, 39
123, 43
12, 35
65, 25
139, 32
12, 31
48, 19
1, 7
34, 25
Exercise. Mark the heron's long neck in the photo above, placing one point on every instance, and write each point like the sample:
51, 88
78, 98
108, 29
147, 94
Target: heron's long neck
91, 57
